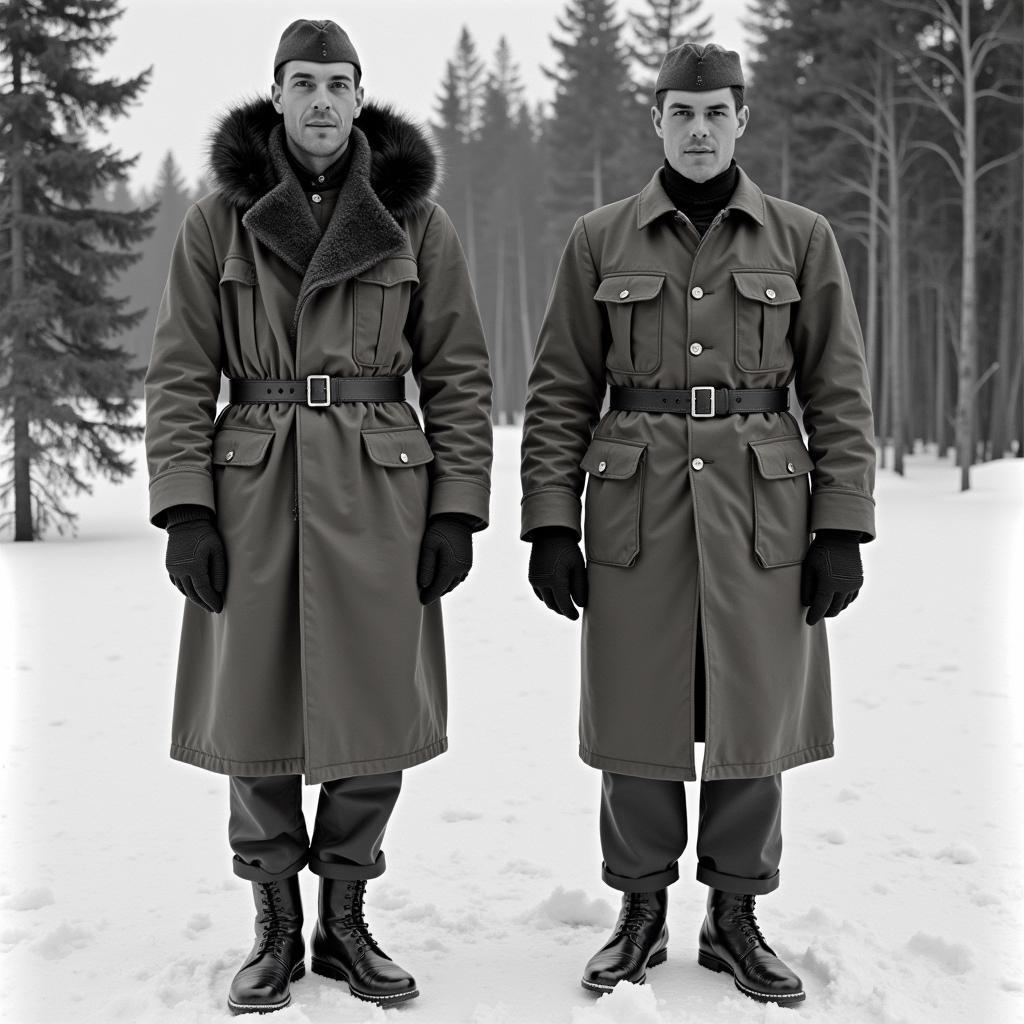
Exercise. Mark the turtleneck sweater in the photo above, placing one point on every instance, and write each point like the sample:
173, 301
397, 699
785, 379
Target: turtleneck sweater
700, 200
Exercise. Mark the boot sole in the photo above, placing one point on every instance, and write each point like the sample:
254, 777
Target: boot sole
298, 971
659, 958
713, 963
326, 970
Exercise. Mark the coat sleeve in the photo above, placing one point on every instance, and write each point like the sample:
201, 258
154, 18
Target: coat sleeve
183, 378
450, 365
832, 386
565, 392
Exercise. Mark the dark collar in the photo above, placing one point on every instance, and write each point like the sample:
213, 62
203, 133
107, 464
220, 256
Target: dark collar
328, 179
653, 202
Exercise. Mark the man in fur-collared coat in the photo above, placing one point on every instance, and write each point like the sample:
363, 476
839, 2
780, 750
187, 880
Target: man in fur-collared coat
314, 524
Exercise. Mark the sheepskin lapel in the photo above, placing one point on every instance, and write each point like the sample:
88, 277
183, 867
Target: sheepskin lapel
281, 219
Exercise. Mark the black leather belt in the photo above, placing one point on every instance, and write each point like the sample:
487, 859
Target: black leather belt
318, 390
700, 402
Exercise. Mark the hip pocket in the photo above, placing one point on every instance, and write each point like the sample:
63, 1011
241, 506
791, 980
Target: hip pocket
615, 485
633, 304
763, 309
782, 500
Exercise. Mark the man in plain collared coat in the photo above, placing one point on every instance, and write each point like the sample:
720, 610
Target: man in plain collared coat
699, 301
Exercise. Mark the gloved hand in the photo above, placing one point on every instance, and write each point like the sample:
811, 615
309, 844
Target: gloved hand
446, 556
557, 570
832, 574
196, 561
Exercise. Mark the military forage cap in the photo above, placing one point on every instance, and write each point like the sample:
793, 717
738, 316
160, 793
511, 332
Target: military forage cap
695, 68
322, 42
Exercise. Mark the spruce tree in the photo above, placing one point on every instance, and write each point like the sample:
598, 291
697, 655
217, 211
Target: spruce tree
661, 27
65, 387
589, 134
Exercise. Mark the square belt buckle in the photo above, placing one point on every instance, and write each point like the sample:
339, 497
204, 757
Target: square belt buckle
694, 409
319, 379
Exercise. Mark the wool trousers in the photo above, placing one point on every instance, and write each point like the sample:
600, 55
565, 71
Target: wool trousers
268, 835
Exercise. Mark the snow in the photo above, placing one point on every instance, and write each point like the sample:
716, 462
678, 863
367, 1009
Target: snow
901, 897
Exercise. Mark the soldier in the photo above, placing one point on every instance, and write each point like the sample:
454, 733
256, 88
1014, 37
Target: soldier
699, 301
314, 525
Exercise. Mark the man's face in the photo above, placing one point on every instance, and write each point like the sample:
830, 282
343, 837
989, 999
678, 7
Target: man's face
699, 130
319, 103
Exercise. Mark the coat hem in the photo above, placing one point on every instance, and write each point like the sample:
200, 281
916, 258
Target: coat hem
640, 769
297, 765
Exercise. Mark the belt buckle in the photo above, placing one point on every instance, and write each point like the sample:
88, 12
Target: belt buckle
693, 403
327, 390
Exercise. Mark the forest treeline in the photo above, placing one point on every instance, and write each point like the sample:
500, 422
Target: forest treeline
902, 121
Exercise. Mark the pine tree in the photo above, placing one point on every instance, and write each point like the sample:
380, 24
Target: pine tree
595, 104
663, 26
65, 388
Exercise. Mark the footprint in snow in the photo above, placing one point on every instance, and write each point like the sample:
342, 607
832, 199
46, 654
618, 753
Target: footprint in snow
452, 816
953, 957
525, 868
835, 836
63, 941
29, 899
848, 796
197, 923
958, 853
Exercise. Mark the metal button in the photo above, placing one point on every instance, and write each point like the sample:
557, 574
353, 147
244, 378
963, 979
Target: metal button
697, 293
404, 457
770, 292
321, 178
315, 197
790, 468
696, 348
230, 455
602, 466
697, 463
624, 294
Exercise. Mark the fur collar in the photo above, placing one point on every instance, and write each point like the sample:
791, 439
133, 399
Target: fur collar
393, 175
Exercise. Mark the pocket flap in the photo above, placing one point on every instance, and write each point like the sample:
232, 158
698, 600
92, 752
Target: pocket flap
241, 446
779, 457
237, 268
629, 287
611, 459
773, 288
397, 447
391, 271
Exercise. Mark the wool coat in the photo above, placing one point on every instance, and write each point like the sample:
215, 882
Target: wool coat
700, 524
323, 661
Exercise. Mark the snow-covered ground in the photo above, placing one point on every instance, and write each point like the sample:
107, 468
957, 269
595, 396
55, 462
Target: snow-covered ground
901, 897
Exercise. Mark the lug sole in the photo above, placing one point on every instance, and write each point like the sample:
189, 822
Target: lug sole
298, 971
328, 970
658, 958
714, 963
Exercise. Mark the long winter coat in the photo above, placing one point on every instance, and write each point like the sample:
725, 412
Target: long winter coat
323, 661
700, 522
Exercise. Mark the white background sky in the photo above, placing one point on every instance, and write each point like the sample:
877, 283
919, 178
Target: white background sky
207, 54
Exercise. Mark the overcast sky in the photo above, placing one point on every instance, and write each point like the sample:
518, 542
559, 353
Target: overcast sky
208, 53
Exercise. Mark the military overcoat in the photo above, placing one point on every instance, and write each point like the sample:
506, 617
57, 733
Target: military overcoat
323, 661
700, 523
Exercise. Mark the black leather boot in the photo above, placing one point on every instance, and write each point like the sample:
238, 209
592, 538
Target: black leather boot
278, 957
344, 949
640, 940
730, 940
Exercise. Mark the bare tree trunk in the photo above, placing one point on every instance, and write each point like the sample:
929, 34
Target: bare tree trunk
895, 342
1001, 409
525, 330
470, 225
498, 340
885, 387
941, 376
871, 331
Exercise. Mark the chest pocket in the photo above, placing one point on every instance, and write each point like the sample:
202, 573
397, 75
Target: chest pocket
380, 304
764, 304
238, 298
633, 303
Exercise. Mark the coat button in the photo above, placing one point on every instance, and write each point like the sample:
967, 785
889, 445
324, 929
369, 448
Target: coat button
697, 293
790, 468
697, 463
602, 466
321, 178
230, 455
404, 457
696, 348
624, 294
315, 197
770, 292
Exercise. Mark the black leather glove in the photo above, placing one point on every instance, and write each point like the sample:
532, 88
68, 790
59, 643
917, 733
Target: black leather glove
557, 570
196, 561
446, 556
832, 574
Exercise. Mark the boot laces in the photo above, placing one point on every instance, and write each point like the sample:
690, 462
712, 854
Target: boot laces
743, 915
636, 916
353, 919
274, 935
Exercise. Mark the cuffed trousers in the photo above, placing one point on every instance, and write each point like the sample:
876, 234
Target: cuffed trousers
643, 833
268, 834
